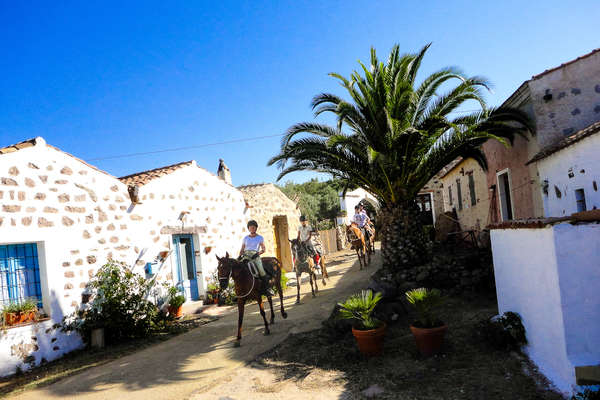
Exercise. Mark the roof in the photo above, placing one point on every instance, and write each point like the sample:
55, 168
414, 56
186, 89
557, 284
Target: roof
565, 64
39, 141
253, 185
142, 178
576, 137
450, 167
18, 146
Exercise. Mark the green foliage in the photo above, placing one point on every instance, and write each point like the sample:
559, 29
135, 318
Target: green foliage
394, 134
504, 333
119, 305
587, 394
318, 201
176, 299
359, 307
24, 306
213, 289
284, 282
425, 302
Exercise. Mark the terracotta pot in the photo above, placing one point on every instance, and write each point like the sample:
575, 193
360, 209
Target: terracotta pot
176, 312
19, 318
429, 341
370, 342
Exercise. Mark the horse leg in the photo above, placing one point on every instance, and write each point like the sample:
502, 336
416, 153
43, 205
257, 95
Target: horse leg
312, 276
241, 304
368, 256
280, 291
263, 314
359, 258
324, 273
298, 281
272, 312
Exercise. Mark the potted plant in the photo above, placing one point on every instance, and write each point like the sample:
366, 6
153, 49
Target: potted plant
428, 330
19, 313
368, 331
176, 301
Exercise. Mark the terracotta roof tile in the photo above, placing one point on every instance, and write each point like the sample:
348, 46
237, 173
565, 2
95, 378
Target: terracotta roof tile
18, 146
565, 64
576, 137
142, 178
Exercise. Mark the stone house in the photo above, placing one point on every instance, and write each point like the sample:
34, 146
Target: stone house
277, 216
465, 192
561, 101
61, 219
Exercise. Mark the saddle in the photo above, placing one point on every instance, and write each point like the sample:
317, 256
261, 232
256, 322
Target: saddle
249, 261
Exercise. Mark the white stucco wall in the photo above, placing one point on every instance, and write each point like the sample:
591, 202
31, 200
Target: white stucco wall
582, 161
39, 341
550, 277
79, 217
351, 200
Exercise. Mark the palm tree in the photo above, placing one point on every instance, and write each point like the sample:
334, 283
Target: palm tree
393, 136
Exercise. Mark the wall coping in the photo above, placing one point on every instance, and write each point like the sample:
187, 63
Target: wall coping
591, 216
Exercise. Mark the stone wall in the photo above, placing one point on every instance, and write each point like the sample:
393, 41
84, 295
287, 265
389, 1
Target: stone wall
469, 216
80, 217
265, 202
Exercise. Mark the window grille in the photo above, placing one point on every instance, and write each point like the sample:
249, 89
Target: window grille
19, 274
472, 190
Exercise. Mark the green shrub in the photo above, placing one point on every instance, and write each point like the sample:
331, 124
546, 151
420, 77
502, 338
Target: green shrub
359, 307
24, 306
119, 305
504, 333
425, 302
176, 299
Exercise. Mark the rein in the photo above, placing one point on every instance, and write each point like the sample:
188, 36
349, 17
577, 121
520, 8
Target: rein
229, 276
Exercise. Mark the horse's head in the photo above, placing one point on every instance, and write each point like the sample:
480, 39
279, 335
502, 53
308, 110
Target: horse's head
224, 270
299, 252
295, 245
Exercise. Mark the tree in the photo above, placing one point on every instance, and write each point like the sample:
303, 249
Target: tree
318, 201
393, 136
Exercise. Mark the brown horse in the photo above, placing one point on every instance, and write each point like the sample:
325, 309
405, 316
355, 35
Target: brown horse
357, 240
303, 262
247, 287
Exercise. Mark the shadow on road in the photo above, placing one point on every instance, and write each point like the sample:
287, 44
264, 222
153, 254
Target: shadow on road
179, 366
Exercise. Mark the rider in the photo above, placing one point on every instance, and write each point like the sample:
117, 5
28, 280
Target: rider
253, 246
304, 234
360, 219
369, 224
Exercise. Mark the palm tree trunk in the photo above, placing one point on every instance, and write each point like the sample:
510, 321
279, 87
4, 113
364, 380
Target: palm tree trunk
403, 242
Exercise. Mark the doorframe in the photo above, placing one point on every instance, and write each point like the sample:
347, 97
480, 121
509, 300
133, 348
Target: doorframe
512, 203
194, 242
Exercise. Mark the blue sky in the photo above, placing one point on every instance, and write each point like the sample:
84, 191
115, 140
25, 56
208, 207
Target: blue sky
98, 79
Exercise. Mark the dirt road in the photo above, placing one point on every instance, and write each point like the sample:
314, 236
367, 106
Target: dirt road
195, 364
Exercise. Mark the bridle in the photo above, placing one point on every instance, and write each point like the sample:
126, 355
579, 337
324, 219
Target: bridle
222, 278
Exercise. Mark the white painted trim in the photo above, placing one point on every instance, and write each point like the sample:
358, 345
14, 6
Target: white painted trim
512, 203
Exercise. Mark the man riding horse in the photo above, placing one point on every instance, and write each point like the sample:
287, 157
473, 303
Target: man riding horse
304, 237
253, 246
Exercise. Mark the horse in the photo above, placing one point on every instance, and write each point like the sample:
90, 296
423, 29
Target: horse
370, 240
247, 287
304, 263
357, 240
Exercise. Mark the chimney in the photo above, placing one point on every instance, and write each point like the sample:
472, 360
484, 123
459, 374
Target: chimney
223, 171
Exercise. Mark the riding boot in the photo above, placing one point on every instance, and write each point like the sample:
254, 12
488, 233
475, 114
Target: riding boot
266, 287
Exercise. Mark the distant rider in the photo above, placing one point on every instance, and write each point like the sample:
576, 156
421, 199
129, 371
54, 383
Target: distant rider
253, 246
304, 235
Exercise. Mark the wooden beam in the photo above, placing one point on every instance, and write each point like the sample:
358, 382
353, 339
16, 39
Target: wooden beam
178, 230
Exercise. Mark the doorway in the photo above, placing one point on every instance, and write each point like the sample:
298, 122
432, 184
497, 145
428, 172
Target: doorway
186, 266
504, 195
283, 251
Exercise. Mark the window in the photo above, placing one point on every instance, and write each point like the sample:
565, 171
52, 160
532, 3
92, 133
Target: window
450, 195
19, 273
580, 199
459, 194
504, 195
472, 190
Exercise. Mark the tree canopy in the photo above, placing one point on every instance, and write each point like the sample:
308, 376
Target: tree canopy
318, 201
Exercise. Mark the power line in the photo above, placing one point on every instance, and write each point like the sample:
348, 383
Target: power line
199, 146
184, 147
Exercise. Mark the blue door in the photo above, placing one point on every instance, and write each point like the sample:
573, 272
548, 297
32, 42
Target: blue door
186, 266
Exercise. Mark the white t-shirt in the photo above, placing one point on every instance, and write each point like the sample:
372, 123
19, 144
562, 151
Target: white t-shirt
253, 243
360, 219
304, 232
